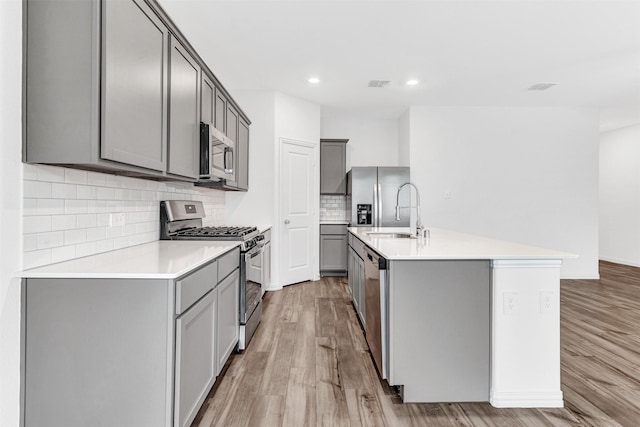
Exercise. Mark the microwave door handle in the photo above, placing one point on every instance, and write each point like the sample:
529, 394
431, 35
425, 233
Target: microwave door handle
228, 150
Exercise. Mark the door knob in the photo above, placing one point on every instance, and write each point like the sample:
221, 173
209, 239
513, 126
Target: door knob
286, 221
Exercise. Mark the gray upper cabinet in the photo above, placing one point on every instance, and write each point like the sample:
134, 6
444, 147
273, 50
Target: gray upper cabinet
232, 133
114, 86
221, 111
134, 47
333, 166
242, 147
207, 101
184, 112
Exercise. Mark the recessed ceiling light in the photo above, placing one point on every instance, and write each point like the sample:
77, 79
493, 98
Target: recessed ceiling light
412, 82
313, 80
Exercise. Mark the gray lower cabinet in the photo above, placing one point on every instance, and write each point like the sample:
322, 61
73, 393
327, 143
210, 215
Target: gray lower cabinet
196, 364
184, 113
357, 277
126, 352
333, 250
333, 166
228, 317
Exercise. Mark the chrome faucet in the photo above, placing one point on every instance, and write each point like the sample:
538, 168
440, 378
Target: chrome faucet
419, 226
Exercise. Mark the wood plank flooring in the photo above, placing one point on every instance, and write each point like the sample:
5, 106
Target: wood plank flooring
308, 365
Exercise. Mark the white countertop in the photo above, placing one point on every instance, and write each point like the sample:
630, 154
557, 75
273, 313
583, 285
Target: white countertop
163, 259
445, 244
334, 221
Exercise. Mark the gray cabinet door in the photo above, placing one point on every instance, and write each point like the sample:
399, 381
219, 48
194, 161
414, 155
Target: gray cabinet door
266, 266
134, 94
232, 133
196, 368
333, 164
360, 284
228, 318
220, 111
242, 173
184, 112
207, 101
333, 252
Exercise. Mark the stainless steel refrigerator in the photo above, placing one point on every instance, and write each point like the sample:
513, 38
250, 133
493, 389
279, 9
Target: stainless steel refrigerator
373, 196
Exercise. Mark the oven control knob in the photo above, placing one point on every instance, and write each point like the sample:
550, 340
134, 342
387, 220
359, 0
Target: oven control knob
286, 221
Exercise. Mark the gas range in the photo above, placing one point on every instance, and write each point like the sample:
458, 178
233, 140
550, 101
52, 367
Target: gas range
182, 220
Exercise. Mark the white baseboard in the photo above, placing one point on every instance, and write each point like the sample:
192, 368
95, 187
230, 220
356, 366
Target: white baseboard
581, 277
521, 399
620, 261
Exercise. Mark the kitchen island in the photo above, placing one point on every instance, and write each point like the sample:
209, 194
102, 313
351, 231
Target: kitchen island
462, 317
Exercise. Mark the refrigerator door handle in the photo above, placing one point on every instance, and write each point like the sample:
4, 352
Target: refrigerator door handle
379, 205
375, 205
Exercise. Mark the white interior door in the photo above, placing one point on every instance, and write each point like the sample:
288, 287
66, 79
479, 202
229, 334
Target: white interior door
297, 183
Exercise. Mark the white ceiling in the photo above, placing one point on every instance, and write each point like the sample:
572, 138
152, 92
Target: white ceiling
463, 52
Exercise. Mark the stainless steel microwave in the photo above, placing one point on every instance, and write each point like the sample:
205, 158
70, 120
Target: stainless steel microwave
216, 154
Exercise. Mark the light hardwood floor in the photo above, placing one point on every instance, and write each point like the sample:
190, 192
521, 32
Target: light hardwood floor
308, 365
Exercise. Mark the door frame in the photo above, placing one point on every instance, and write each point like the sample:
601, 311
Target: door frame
315, 235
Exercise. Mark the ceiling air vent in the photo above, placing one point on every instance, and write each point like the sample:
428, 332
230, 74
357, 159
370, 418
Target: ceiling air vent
542, 86
379, 83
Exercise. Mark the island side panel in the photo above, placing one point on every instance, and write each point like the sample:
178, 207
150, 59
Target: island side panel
525, 365
439, 314
98, 352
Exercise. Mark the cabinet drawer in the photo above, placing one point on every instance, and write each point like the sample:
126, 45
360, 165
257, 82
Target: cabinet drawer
333, 228
227, 263
192, 287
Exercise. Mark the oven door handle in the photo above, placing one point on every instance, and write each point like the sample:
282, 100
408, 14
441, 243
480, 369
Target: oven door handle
252, 254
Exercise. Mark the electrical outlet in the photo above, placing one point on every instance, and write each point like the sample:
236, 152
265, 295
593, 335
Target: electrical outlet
510, 302
116, 219
546, 301
447, 194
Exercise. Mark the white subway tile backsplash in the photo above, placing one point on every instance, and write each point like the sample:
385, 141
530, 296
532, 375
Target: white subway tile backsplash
75, 206
71, 237
114, 232
67, 211
96, 178
50, 173
36, 224
75, 176
37, 189
87, 192
50, 240
106, 193
86, 220
36, 258
63, 253
96, 233
30, 207
63, 191
85, 249
63, 222
50, 206
29, 242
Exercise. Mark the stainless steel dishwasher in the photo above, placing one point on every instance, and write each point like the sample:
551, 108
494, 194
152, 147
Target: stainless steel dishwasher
376, 294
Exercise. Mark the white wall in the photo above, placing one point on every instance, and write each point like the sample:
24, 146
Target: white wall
620, 195
273, 116
255, 207
372, 141
404, 138
10, 208
528, 175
